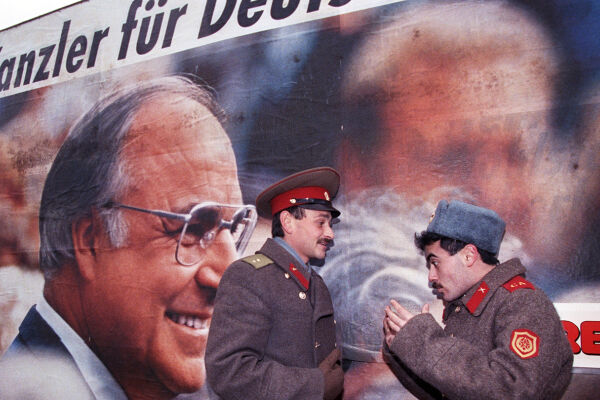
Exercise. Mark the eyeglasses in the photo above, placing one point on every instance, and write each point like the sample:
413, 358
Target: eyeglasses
202, 225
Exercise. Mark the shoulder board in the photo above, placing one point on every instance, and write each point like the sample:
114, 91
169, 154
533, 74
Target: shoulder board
258, 260
518, 282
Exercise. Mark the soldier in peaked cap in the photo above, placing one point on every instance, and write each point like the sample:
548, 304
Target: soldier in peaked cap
502, 336
272, 334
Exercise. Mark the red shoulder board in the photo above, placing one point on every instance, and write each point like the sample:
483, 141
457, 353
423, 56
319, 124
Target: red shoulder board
303, 281
518, 282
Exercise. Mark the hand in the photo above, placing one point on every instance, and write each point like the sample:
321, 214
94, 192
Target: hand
333, 375
395, 318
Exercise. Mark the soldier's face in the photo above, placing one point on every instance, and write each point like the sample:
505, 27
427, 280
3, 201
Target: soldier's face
448, 274
311, 235
148, 315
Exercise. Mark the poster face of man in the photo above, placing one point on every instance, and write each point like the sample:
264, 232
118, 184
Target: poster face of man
139, 301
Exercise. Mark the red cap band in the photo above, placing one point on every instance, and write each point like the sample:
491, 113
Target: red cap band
288, 199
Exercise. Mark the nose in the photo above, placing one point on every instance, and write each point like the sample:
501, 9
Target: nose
329, 232
217, 258
432, 275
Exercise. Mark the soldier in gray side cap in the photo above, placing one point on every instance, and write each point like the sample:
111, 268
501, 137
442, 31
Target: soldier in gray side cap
502, 337
272, 334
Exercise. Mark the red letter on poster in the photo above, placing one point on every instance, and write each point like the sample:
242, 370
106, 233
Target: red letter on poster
590, 337
572, 332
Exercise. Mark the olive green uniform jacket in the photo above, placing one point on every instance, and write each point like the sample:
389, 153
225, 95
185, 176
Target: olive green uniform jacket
270, 330
502, 340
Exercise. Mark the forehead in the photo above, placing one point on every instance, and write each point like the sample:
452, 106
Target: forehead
435, 250
177, 152
317, 213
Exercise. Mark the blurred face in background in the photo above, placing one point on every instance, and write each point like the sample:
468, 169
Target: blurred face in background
463, 95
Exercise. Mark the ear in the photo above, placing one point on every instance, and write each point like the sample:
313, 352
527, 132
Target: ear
85, 240
287, 222
470, 254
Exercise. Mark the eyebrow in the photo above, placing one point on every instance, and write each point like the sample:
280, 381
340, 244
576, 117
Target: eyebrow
186, 208
429, 256
324, 214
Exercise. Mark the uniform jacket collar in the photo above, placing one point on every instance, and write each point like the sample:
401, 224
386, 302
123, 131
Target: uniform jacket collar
287, 262
476, 298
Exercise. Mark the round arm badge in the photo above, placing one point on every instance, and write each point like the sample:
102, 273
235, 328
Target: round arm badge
524, 343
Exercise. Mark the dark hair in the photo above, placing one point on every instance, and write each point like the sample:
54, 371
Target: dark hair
452, 246
276, 228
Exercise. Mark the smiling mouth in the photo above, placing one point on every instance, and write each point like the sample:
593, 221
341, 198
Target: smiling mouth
189, 320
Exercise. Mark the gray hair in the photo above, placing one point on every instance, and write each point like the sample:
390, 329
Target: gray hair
88, 172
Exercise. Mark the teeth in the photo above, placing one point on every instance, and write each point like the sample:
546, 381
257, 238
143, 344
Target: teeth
189, 321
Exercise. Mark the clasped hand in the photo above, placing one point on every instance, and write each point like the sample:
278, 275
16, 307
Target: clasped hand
395, 318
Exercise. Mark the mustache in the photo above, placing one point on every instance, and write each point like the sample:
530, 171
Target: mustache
326, 242
436, 290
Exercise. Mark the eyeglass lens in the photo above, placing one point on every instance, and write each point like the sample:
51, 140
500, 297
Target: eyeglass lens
204, 226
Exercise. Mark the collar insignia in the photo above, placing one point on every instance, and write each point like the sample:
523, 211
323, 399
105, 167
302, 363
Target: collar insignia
301, 278
477, 297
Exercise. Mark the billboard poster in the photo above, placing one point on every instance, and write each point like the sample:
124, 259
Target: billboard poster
495, 103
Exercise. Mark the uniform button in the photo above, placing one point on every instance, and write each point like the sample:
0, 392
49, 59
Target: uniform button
452, 335
457, 309
335, 344
317, 344
302, 295
334, 321
287, 276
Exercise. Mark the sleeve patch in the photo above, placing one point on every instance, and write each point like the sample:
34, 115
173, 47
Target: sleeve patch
518, 282
524, 343
258, 260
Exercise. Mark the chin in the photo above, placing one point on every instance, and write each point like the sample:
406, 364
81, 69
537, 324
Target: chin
450, 298
184, 380
182, 385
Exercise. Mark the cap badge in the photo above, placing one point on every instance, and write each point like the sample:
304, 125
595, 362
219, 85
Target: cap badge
293, 201
326, 196
432, 217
